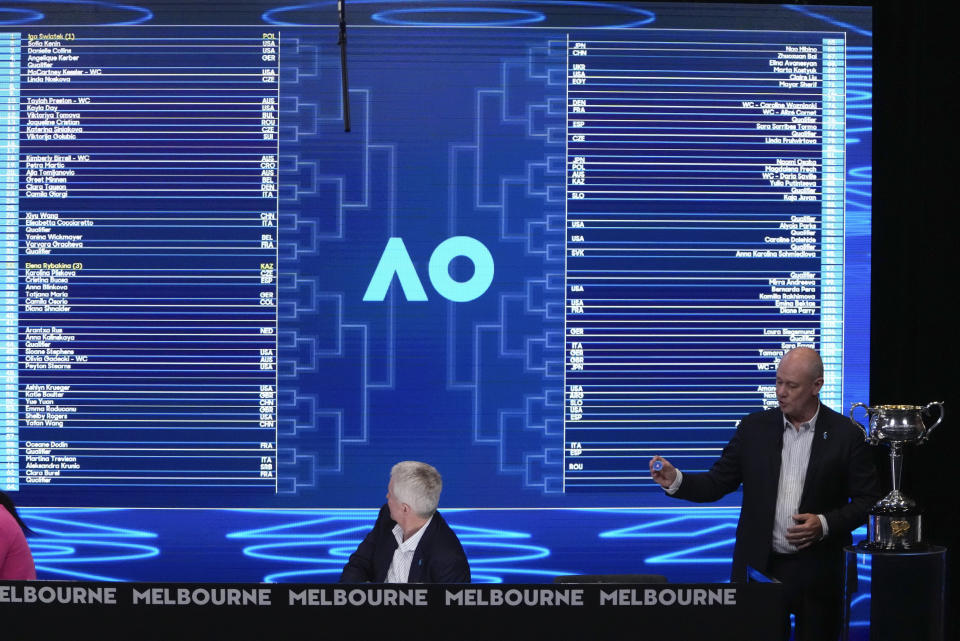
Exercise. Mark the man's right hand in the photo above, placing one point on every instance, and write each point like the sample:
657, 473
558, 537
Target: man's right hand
666, 475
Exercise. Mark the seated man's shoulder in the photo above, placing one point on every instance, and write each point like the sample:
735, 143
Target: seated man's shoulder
444, 529
448, 561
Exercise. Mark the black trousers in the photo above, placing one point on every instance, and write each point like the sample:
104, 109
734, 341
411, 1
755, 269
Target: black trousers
813, 595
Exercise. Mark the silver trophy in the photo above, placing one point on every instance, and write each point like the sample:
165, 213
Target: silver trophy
895, 520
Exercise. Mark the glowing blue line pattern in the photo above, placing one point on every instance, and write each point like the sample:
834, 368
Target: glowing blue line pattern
705, 537
22, 16
315, 546
534, 12
528, 17
860, 603
72, 545
712, 529
846, 26
142, 15
516, 546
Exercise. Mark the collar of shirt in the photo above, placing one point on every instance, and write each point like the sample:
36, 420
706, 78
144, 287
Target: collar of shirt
410, 544
802, 427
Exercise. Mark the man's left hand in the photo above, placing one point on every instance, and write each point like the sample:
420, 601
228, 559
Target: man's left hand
807, 531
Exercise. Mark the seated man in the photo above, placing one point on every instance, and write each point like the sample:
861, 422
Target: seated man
410, 542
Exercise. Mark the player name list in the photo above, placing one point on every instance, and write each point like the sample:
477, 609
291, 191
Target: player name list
705, 213
139, 240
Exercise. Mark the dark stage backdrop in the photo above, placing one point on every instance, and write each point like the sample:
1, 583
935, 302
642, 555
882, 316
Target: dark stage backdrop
914, 258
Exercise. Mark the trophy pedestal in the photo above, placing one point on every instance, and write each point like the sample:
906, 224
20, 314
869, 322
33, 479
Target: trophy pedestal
892, 596
895, 525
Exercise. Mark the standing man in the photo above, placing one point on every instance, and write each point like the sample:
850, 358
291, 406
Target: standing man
410, 542
808, 480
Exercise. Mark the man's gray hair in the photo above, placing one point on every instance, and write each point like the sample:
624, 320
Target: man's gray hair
418, 485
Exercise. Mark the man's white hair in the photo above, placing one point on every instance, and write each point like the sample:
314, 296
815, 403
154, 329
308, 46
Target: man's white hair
418, 485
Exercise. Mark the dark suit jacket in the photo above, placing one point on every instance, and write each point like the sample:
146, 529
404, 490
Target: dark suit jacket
439, 557
841, 483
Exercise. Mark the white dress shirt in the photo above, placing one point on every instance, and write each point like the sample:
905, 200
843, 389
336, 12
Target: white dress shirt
399, 570
794, 459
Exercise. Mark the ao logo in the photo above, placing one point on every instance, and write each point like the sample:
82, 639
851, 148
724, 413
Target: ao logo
396, 260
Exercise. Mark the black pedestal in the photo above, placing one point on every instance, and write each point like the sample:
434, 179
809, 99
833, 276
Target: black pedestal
894, 595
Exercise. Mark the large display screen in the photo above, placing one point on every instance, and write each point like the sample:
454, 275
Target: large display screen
558, 239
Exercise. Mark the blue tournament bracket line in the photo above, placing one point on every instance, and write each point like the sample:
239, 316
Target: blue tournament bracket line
328, 204
521, 211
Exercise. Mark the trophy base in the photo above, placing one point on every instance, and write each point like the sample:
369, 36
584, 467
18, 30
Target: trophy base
894, 533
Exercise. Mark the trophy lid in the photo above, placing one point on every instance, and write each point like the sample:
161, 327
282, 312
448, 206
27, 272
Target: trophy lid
915, 408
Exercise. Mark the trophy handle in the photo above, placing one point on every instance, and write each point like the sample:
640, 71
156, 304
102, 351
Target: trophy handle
866, 409
926, 410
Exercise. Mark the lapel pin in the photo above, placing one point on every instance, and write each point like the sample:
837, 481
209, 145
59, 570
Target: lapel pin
824, 436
